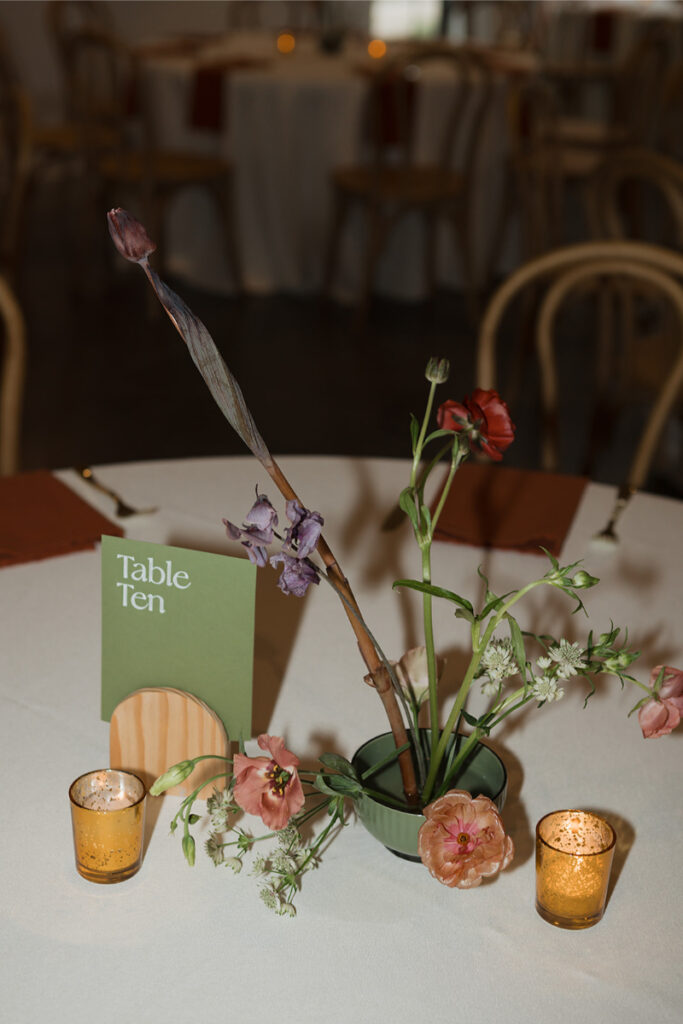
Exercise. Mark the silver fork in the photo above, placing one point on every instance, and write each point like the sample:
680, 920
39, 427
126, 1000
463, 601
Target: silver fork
608, 533
123, 509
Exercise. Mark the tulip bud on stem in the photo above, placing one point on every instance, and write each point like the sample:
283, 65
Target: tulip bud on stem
132, 242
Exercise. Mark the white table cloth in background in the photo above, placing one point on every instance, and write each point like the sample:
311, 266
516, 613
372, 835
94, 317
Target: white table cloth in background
376, 938
286, 125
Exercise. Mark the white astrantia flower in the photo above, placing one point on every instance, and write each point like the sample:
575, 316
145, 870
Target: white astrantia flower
499, 661
490, 687
544, 662
546, 689
569, 658
270, 898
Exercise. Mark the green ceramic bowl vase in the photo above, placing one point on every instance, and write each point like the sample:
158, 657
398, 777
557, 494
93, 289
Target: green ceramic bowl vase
483, 773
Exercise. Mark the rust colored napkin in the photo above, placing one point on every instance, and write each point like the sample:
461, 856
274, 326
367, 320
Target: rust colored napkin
494, 506
40, 518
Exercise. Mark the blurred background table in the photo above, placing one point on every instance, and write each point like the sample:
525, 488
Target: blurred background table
286, 121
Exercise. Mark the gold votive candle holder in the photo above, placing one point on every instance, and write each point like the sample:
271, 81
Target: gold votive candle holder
108, 819
574, 851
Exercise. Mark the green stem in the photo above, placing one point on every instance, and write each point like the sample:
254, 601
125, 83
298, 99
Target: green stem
422, 768
460, 758
427, 617
459, 702
417, 455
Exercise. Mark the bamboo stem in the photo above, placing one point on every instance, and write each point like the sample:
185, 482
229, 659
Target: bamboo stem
367, 648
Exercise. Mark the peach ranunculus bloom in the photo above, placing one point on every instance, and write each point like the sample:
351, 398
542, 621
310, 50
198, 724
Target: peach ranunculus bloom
660, 715
269, 786
463, 839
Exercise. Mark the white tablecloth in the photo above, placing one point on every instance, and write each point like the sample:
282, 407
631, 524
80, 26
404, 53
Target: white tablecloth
375, 938
285, 127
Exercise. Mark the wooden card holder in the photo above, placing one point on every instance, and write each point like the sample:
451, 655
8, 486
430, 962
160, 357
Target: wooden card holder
156, 727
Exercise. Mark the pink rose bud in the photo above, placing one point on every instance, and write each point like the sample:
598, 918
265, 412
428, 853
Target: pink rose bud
129, 236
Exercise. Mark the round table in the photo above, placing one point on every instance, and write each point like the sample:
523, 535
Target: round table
375, 937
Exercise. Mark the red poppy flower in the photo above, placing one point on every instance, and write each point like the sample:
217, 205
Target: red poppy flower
485, 417
269, 786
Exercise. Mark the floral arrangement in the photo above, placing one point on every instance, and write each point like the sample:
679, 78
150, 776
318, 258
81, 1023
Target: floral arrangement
462, 838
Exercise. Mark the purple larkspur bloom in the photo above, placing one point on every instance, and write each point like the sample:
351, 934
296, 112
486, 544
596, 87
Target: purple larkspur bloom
297, 574
256, 531
305, 529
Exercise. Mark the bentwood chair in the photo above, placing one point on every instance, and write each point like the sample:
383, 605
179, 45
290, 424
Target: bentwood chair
554, 155
393, 180
12, 377
650, 270
110, 102
57, 142
638, 194
15, 166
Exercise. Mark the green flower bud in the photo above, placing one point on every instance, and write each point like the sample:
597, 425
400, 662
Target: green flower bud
437, 370
188, 849
173, 777
582, 580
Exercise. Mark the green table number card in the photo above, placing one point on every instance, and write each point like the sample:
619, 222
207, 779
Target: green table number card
175, 617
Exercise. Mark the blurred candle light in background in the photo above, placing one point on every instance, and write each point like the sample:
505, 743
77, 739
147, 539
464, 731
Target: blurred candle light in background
377, 48
574, 851
286, 42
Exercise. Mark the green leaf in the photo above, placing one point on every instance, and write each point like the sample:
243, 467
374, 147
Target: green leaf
491, 606
592, 688
554, 561
437, 433
518, 647
337, 785
189, 848
430, 588
338, 764
406, 502
414, 432
426, 517
462, 613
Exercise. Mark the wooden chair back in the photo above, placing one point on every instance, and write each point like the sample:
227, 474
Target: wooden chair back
638, 193
15, 161
565, 270
392, 109
12, 378
100, 80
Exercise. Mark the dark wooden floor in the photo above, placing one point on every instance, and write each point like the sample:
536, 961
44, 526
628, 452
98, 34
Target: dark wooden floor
108, 383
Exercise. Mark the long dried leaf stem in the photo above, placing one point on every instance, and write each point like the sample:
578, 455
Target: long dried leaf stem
228, 396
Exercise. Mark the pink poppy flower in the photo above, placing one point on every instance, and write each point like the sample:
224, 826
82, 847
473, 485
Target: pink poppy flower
660, 715
463, 840
269, 786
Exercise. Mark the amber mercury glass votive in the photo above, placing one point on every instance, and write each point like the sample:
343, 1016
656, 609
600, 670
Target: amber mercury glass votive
108, 818
574, 851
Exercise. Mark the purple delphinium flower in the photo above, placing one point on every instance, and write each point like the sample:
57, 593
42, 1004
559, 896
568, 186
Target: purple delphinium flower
297, 574
305, 529
257, 530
